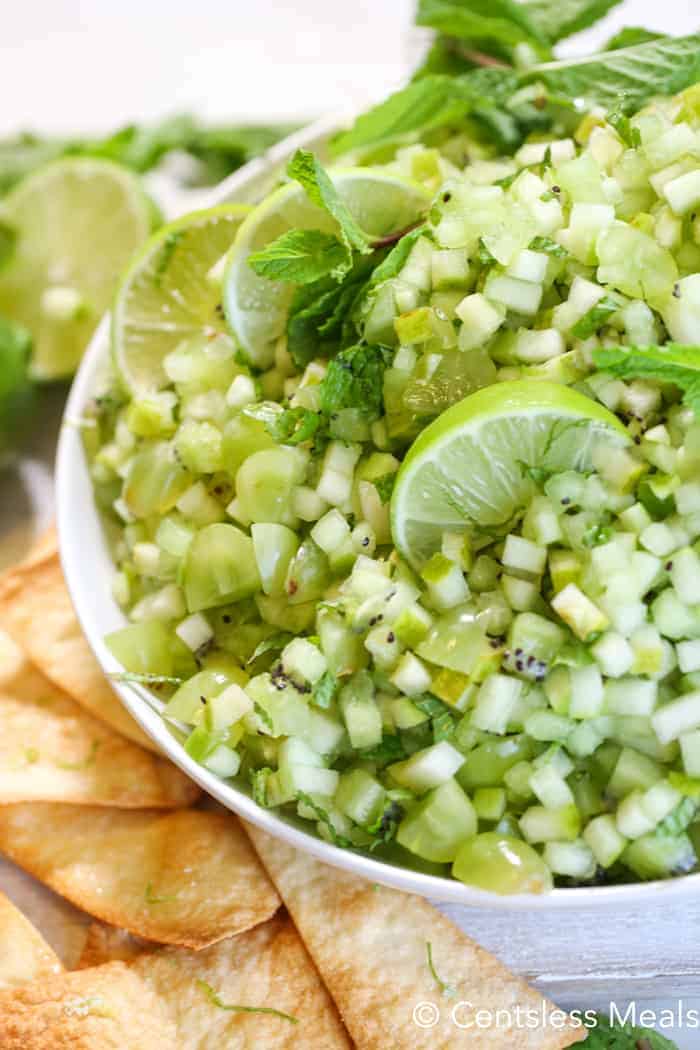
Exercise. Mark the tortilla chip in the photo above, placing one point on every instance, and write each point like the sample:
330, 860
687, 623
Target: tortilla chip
107, 1008
267, 967
371, 948
36, 609
105, 943
24, 954
189, 877
53, 750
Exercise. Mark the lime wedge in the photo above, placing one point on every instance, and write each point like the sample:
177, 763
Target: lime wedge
171, 291
257, 308
472, 466
76, 224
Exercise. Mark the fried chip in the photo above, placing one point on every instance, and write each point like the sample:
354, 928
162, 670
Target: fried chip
106, 1008
188, 877
403, 976
24, 954
36, 609
265, 969
105, 943
52, 750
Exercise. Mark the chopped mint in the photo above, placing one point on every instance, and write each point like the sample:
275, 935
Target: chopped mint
354, 380
323, 817
294, 425
385, 486
619, 120
216, 1000
258, 783
273, 643
596, 317
153, 898
548, 247
302, 256
325, 689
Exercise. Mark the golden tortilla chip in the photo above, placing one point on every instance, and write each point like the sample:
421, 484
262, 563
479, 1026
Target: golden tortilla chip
403, 976
105, 943
189, 877
266, 969
106, 1008
36, 609
52, 750
24, 954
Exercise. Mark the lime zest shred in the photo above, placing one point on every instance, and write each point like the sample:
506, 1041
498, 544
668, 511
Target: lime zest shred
153, 898
448, 990
216, 1000
83, 763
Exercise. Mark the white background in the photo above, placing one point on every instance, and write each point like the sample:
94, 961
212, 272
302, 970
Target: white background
73, 65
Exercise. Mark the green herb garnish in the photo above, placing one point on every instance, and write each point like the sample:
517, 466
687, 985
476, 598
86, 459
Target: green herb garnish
216, 1000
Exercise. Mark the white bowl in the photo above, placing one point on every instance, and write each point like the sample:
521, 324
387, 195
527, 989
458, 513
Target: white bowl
88, 569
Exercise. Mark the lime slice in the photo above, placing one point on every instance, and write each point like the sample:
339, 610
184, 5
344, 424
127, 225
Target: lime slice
471, 467
257, 308
77, 222
170, 292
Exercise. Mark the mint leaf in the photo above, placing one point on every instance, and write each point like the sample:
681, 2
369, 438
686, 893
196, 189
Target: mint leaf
394, 262
557, 19
294, 425
434, 101
355, 380
302, 256
482, 21
660, 67
273, 643
630, 37
673, 363
307, 170
607, 1036
595, 318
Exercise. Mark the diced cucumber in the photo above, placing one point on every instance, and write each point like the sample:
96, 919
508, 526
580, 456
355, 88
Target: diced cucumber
427, 768
495, 703
572, 859
360, 712
579, 612
360, 796
657, 856
539, 824
677, 717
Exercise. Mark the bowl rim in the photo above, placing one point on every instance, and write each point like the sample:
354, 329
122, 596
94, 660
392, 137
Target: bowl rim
71, 482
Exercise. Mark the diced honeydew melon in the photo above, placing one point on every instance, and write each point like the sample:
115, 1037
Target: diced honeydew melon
677, 717
587, 694
449, 268
671, 145
586, 222
630, 696
683, 192
558, 150
633, 771
604, 840
428, 768
411, 676
522, 556
495, 702
523, 297
547, 726
445, 583
579, 612
521, 595
360, 712
383, 646
564, 567
613, 654
690, 752
412, 625
301, 659
195, 631
417, 268
529, 266
583, 296
688, 654
572, 859
631, 818
480, 320
490, 803
648, 647
584, 739
539, 345
685, 575
550, 787
540, 824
